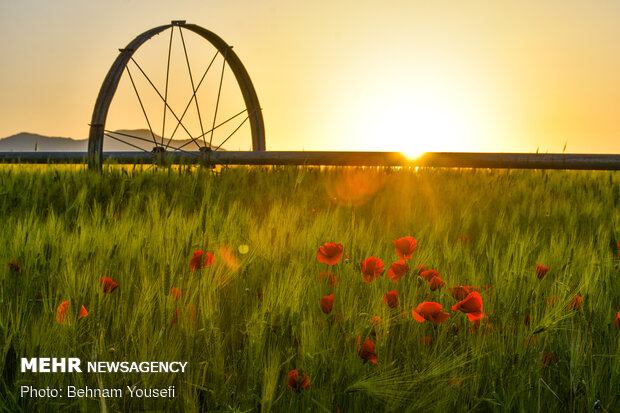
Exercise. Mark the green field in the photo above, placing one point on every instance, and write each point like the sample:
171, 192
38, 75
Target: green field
254, 315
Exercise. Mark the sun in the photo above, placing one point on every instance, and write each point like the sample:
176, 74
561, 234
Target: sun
415, 120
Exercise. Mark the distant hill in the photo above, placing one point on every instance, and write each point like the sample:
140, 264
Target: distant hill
27, 142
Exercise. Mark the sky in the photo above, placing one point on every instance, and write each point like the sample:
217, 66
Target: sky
394, 75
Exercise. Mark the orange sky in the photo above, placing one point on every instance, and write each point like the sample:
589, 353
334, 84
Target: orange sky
346, 75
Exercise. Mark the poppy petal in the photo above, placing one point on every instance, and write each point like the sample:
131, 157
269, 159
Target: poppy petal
397, 270
429, 274
208, 259
305, 382
475, 316
417, 317
292, 378
372, 268
576, 303
541, 270
405, 247
176, 293
436, 283
196, 262
327, 303
470, 305
329, 253
107, 284
62, 312
430, 311
391, 299
83, 312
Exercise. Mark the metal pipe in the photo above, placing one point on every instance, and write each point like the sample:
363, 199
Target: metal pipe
429, 159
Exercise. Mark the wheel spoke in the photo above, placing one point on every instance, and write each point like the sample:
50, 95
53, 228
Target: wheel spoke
221, 124
163, 127
233, 132
141, 105
191, 79
128, 135
217, 103
127, 143
166, 103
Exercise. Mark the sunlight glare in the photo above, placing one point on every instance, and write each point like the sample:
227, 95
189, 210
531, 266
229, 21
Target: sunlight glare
415, 120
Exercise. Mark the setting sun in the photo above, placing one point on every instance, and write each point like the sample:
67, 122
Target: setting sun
420, 117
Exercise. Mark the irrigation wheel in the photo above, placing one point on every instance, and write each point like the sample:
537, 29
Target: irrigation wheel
190, 127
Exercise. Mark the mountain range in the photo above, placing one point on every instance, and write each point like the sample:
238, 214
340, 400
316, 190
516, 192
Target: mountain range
142, 138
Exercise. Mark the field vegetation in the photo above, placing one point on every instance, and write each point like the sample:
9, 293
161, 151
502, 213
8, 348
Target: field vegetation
263, 307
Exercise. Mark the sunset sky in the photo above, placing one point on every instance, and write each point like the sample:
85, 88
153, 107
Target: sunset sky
507, 76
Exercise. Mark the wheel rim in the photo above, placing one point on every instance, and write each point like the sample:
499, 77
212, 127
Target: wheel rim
203, 141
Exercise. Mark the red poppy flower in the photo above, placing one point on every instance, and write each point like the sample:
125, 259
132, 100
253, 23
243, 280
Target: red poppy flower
391, 299
429, 311
175, 293
541, 270
329, 253
298, 383
107, 284
62, 312
617, 320
405, 247
372, 268
429, 274
526, 320
196, 262
329, 276
464, 238
367, 351
397, 270
549, 358
436, 283
427, 341
471, 305
83, 312
327, 303
576, 303
461, 291
551, 301
14, 266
